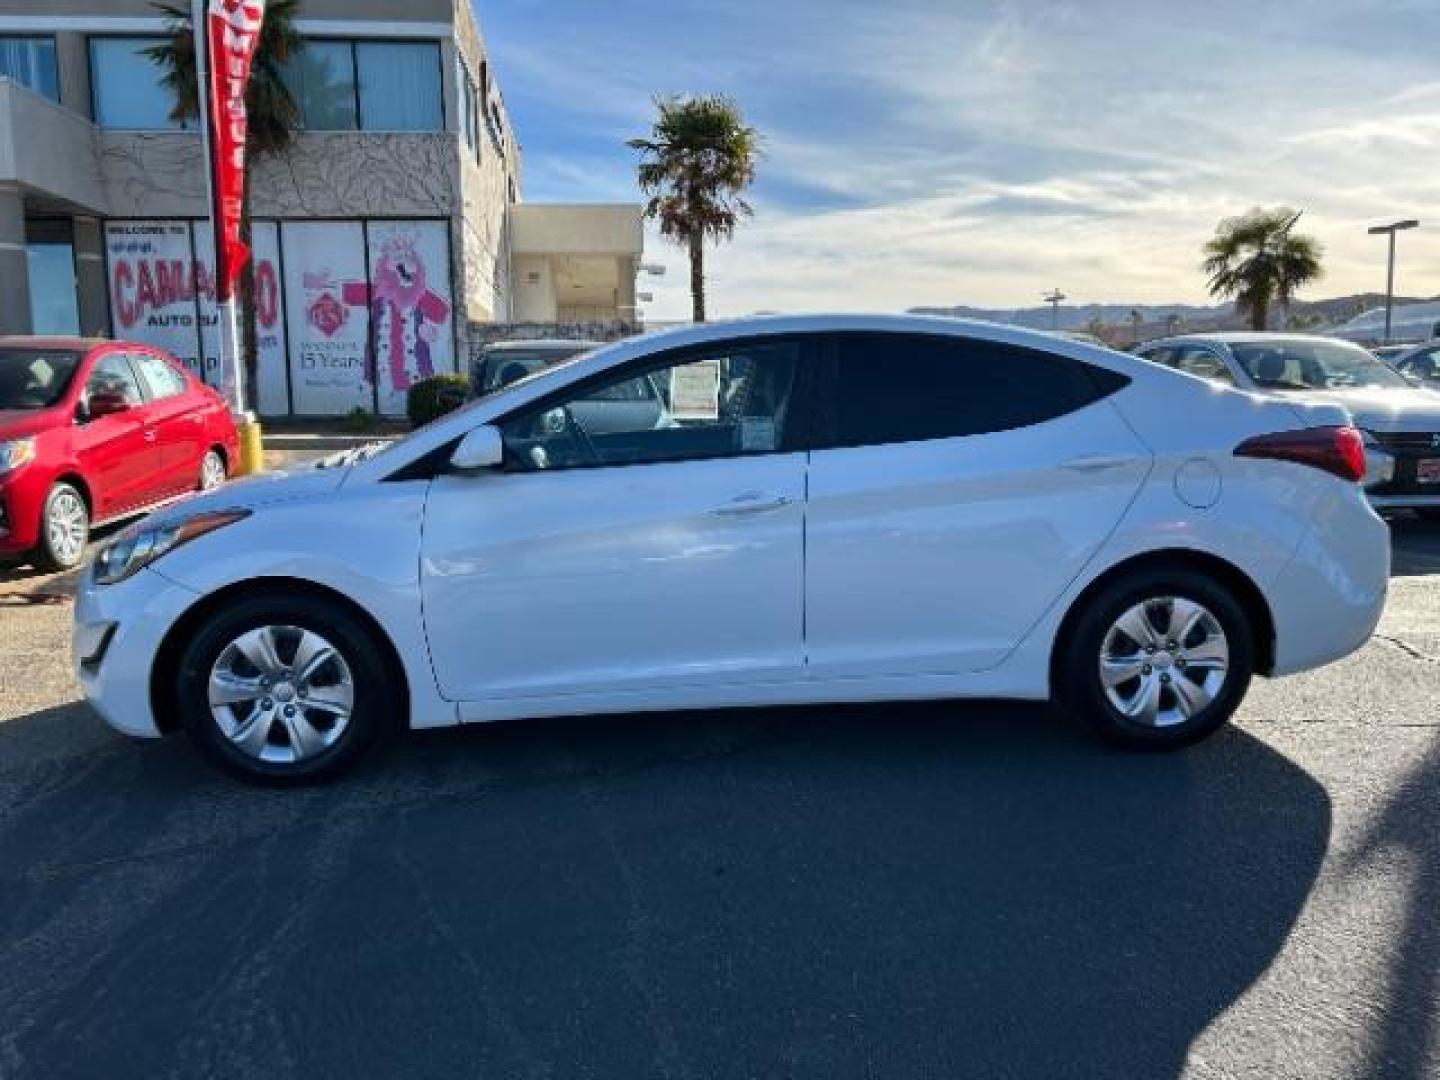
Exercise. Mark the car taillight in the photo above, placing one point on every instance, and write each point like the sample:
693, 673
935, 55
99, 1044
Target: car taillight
1339, 451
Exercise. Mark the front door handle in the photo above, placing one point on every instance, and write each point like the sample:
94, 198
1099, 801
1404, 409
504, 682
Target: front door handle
752, 503
1091, 463
149, 434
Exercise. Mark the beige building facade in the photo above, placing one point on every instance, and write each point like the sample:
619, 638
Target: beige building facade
391, 231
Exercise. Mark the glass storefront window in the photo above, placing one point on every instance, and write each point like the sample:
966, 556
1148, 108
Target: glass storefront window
126, 85
30, 61
50, 255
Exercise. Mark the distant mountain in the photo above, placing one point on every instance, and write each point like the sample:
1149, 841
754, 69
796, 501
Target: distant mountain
1157, 319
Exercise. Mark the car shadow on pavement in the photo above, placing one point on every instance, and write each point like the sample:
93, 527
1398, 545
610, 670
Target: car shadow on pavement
1407, 828
921, 891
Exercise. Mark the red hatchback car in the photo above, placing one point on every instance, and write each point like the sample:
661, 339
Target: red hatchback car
92, 431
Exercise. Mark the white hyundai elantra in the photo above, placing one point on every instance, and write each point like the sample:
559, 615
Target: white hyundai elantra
821, 509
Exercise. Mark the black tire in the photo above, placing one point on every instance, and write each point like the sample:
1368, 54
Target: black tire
376, 695
49, 555
1079, 686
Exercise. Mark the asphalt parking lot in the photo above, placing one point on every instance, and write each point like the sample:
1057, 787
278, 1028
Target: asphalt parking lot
920, 891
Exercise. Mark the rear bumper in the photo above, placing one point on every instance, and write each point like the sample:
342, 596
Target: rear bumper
1328, 600
117, 634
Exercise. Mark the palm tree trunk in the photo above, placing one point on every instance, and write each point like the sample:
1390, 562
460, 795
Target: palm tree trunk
1259, 314
697, 275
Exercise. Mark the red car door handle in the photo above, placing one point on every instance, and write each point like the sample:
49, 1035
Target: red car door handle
149, 434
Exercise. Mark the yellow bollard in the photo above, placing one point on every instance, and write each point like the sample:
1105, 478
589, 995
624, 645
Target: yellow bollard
252, 447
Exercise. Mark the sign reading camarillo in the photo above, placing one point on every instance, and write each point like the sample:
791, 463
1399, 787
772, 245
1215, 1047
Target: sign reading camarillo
160, 295
153, 286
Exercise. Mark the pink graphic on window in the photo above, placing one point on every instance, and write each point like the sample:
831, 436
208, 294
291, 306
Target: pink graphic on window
323, 309
406, 314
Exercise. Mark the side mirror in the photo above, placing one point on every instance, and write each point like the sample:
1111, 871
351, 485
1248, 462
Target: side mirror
106, 403
481, 449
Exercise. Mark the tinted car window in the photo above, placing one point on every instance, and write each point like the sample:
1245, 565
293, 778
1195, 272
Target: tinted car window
895, 388
164, 381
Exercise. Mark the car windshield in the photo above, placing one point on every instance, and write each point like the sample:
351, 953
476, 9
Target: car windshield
35, 378
1313, 365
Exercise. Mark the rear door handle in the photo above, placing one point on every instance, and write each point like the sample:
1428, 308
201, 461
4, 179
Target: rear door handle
1091, 463
751, 503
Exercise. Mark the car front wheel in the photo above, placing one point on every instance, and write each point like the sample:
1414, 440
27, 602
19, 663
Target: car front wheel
284, 690
1158, 661
64, 529
212, 471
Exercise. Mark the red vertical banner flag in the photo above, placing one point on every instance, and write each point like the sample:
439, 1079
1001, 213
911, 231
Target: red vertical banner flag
232, 34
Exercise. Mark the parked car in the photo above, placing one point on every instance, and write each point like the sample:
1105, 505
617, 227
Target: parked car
506, 362
95, 431
1389, 353
845, 509
1420, 364
1400, 422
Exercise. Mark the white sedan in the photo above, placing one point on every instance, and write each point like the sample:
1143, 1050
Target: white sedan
829, 509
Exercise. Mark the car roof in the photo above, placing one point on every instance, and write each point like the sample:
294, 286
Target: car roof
541, 345
35, 341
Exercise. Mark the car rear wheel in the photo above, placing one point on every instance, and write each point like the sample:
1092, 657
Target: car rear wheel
64, 529
1158, 661
283, 690
212, 471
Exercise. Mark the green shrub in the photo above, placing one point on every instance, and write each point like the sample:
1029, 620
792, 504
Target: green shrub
429, 399
359, 420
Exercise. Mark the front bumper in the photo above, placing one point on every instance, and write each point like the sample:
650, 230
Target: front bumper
117, 634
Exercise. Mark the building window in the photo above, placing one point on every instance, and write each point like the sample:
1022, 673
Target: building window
468, 94
126, 84
321, 79
367, 85
50, 259
399, 85
30, 61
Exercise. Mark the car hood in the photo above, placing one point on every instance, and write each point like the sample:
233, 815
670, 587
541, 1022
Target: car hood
253, 492
22, 423
1400, 409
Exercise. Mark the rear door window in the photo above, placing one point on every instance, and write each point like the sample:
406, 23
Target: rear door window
899, 388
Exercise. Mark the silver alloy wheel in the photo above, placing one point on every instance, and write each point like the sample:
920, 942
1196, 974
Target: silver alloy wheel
281, 694
1163, 661
212, 471
66, 526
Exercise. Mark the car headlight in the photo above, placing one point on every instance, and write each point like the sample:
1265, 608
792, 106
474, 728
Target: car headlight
142, 543
15, 453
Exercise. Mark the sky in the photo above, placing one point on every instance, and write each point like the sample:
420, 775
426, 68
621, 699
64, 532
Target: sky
942, 152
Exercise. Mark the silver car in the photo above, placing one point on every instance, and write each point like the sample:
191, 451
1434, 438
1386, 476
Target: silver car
1401, 421
1419, 363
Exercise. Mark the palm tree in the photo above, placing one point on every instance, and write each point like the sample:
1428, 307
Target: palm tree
699, 159
274, 116
1258, 260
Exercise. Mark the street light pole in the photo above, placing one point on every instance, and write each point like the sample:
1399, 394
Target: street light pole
1054, 298
1390, 230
